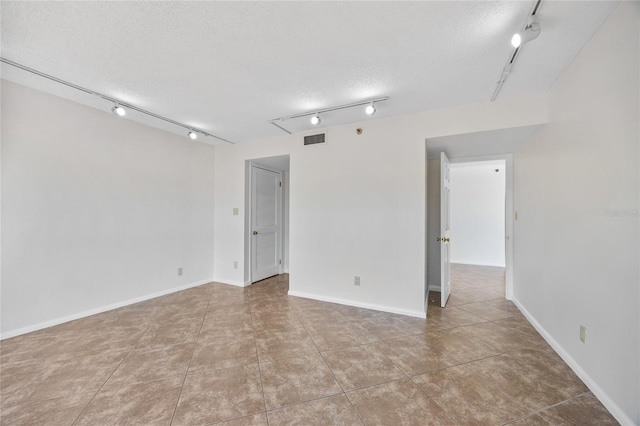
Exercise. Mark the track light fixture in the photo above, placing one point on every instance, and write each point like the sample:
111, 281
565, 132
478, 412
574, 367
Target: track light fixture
118, 104
193, 135
530, 32
370, 109
315, 115
118, 110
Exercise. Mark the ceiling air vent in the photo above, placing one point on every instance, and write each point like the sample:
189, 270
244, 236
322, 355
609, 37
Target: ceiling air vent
315, 139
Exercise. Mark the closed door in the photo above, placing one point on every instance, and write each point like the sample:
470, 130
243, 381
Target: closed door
445, 229
265, 223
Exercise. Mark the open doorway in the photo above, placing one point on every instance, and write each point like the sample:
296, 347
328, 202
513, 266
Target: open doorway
481, 229
267, 217
488, 145
478, 231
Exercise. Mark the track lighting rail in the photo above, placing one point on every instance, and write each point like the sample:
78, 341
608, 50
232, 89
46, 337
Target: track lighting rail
116, 102
316, 113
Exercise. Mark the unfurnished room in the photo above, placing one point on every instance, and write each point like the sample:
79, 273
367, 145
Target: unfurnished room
320, 213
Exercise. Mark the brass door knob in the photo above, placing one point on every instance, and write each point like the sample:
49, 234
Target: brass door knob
445, 240
255, 232
438, 239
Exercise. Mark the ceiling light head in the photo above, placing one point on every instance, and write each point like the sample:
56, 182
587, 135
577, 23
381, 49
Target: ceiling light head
370, 109
315, 120
530, 32
193, 135
118, 110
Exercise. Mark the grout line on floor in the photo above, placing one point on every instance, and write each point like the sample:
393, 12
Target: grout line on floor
109, 378
255, 342
333, 374
533, 413
195, 345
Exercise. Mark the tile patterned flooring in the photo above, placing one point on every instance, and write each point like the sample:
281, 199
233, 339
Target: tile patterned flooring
218, 354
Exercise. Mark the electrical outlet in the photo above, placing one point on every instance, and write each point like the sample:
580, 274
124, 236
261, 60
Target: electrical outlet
235, 211
235, 264
179, 271
356, 280
583, 334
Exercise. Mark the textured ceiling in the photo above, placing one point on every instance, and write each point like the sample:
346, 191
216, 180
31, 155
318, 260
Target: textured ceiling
230, 67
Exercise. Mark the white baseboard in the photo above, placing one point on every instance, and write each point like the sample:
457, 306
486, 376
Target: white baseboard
613, 408
416, 314
233, 282
62, 320
435, 288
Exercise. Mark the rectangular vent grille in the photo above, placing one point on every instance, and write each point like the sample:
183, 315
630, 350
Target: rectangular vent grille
314, 139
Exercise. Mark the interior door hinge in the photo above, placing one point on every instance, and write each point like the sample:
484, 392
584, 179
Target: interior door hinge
280, 184
280, 262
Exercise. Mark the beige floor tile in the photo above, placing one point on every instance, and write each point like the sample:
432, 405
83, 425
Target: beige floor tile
539, 377
453, 315
214, 329
215, 354
534, 420
66, 344
469, 397
151, 403
583, 410
234, 310
361, 366
335, 410
504, 340
397, 403
413, 356
381, 328
486, 310
273, 305
169, 334
421, 326
294, 380
504, 371
14, 377
271, 321
144, 365
335, 336
255, 420
220, 395
284, 344
58, 411
67, 378
461, 348
522, 325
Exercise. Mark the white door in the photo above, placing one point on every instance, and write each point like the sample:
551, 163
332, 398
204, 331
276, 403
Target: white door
265, 223
445, 230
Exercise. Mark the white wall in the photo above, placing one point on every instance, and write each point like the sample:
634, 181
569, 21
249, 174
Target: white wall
357, 204
96, 210
477, 213
575, 263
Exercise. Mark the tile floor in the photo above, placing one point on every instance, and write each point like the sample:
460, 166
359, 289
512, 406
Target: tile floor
218, 354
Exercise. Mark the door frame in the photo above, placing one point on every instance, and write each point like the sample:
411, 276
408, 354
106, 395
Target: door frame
248, 223
508, 214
